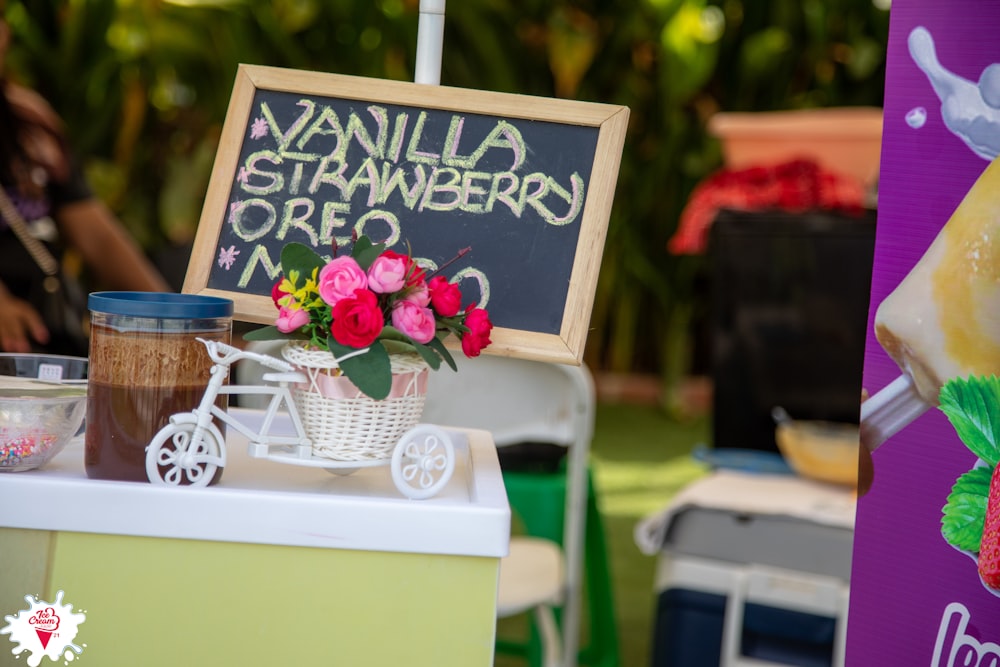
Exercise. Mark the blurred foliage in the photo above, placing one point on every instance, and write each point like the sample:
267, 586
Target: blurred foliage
144, 86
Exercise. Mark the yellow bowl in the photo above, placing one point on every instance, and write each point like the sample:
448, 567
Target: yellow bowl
821, 450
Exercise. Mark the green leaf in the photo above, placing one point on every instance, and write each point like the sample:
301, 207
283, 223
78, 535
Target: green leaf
264, 333
454, 324
365, 252
272, 333
390, 332
398, 346
972, 405
370, 372
396, 341
300, 257
964, 512
438, 345
432, 358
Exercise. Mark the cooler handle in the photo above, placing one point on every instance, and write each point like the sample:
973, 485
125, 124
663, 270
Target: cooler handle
819, 595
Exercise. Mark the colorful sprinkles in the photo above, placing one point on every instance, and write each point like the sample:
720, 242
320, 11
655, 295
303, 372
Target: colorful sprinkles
22, 449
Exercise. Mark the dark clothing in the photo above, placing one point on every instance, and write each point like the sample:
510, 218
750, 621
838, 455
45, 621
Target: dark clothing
55, 196
18, 271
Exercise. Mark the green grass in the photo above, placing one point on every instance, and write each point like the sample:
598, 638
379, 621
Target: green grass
640, 459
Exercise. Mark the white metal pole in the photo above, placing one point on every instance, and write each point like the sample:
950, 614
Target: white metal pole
430, 37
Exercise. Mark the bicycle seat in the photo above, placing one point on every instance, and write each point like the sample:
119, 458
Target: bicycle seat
289, 376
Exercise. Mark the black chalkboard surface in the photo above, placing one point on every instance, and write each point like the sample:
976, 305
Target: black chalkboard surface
525, 183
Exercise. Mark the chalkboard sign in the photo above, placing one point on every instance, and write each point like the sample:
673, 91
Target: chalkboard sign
525, 183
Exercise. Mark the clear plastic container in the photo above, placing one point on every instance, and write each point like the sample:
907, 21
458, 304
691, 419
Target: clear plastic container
146, 364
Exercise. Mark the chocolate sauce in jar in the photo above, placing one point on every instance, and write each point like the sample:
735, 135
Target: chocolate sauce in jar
143, 369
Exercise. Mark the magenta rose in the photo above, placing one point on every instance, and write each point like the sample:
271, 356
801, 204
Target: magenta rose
387, 274
340, 279
445, 296
416, 322
478, 335
277, 293
357, 319
290, 319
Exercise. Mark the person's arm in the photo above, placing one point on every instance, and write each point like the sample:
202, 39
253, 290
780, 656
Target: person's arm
20, 323
108, 250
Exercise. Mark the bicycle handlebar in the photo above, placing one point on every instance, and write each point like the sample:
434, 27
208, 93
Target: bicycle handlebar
271, 362
223, 353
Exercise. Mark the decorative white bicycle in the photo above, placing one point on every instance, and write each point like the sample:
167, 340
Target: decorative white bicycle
191, 448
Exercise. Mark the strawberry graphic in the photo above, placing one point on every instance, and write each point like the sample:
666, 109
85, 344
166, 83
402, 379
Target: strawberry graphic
989, 547
970, 519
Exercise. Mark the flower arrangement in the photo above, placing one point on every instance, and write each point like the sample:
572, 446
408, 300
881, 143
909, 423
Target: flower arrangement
374, 298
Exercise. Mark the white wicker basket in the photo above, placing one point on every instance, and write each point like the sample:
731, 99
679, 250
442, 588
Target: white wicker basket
348, 425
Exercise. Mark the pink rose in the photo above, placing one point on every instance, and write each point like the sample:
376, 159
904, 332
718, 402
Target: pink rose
418, 295
478, 335
290, 319
416, 322
357, 319
340, 279
445, 296
387, 273
414, 274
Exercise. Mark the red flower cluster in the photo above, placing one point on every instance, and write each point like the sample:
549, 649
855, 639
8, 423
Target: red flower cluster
355, 304
796, 186
478, 335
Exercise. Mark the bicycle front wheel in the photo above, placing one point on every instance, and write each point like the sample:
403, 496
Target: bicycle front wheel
174, 458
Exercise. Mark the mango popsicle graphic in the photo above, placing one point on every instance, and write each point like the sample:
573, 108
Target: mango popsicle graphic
943, 320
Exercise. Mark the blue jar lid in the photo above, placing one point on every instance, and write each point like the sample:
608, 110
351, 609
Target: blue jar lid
160, 305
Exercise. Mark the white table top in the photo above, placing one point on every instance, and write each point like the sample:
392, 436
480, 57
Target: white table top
265, 502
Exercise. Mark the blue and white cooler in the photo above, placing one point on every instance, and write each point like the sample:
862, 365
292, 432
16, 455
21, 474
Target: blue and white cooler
753, 570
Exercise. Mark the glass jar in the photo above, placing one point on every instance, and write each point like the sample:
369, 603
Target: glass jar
146, 364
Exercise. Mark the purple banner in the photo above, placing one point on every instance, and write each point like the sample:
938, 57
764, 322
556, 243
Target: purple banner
925, 586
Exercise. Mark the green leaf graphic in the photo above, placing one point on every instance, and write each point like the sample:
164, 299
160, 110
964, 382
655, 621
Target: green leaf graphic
972, 406
965, 511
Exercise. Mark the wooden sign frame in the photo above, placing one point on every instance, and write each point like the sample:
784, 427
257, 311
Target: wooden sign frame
609, 120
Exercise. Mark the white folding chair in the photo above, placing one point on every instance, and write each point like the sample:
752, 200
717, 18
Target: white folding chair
522, 401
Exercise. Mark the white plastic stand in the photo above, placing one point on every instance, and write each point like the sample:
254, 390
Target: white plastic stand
430, 40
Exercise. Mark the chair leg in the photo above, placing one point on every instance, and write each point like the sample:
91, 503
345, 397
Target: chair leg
545, 619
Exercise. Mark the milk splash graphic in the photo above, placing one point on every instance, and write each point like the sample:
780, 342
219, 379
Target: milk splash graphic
45, 630
970, 110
